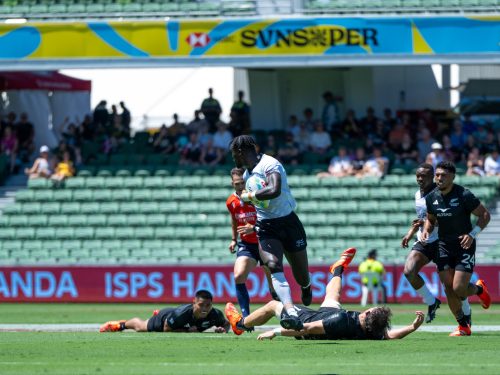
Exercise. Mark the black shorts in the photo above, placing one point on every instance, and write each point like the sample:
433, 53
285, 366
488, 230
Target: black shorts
250, 250
307, 315
430, 250
452, 255
157, 322
287, 229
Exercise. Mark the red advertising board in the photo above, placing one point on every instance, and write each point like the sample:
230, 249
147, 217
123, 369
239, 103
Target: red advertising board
172, 284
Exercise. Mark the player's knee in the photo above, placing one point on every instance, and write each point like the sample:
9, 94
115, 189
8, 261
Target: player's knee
274, 266
460, 291
410, 272
240, 277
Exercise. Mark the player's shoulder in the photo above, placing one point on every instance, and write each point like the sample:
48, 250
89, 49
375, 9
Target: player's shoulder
184, 309
230, 199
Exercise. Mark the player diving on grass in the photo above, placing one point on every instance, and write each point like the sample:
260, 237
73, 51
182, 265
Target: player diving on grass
243, 218
279, 230
331, 321
422, 252
195, 317
449, 207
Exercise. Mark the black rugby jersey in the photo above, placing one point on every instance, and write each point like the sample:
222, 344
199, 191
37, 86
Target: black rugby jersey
452, 211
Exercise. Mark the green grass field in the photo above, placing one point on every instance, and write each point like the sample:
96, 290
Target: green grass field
208, 353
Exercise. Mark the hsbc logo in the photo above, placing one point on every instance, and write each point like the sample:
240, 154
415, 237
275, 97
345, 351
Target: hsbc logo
198, 39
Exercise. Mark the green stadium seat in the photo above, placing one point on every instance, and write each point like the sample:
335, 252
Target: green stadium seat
177, 219
31, 208
65, 195
331, 182
408, 181
33, 245
51, 244
114, 182
109, 208
75, 183
328, 206
357, 219
102, 195
45, 233
358, 193
89, 208
83, 195
97, 220
11, 245
50, 208
103, 233
84, 232
347, 206
122, 195
25, 195
25, 233
18, 220
119, 220
77, 220
148, 208
347, 232
38, 183
37, 220
12, 209
129, 207
94, 182
300, 193
308, 206
390, 180
144, 233
137, 220
64, 233
380, 193
369, 206
168, 207
133, 182
323, 193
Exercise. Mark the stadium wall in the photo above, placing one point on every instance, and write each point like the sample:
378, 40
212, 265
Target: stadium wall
174, 284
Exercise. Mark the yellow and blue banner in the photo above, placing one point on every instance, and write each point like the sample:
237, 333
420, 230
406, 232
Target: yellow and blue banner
132, 40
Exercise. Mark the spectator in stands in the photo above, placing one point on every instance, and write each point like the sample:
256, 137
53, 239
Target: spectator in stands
101, 114
475, 163
449, 152
481, 134
197, 123
388, 120
270, 148
240, 115
397, 135
87, 129
424, 145
210, 155
358, 162
492, 163
377, 165
126, 119
161, 141
340, 165
211, 109
203, 135
191, 152
469, 126
470, 144
114, 117
303, 138
436, 155
222, 137
320, 141
41, 166
8, 146
64, 168
351, 127
288, 152
490, 143
429, 120
309, 120
406, 153
293, 126
369, 122
177, 129
9, 121
458, 136
25, 137
330, 115
379, 134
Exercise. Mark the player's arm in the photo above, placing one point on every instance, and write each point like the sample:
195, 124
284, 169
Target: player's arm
234, 238
411, 232
312, 328
483, 218
405, 331
223, 328
429, 225
272, 189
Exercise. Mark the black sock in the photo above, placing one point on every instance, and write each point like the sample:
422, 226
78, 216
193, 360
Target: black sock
122, 326
338, 271
479, 289
462, 320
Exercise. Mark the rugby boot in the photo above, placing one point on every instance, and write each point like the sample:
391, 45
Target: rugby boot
345, 259
431, 311
156, 312
485, 295
307, 295
234, 317
291, 321
461, 331
112, 326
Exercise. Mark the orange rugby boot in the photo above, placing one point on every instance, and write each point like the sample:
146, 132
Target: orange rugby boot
344, 260
485, 295
112, 326
156, 312
234, 317
461, 331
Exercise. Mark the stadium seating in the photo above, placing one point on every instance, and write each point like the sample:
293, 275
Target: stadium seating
183, 219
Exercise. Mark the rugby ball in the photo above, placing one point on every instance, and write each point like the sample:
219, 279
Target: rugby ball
253, 184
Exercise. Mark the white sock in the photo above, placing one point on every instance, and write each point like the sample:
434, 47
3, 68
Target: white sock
282, 288
466, 306
426, 294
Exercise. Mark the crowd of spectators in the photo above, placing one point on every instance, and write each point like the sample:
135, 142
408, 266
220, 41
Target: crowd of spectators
350, 145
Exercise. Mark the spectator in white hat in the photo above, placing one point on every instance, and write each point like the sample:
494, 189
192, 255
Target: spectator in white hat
40, 168
436, 155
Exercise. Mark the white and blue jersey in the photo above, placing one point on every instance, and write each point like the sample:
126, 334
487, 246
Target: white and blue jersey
421, 208
284, 204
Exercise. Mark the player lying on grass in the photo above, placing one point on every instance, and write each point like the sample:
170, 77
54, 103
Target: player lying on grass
331, 321
196, 317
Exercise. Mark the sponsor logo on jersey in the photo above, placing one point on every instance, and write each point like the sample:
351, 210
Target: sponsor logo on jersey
443, 209
435, 203
454, 202
300, 242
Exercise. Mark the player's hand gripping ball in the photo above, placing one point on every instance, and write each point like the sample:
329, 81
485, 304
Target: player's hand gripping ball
253, 184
